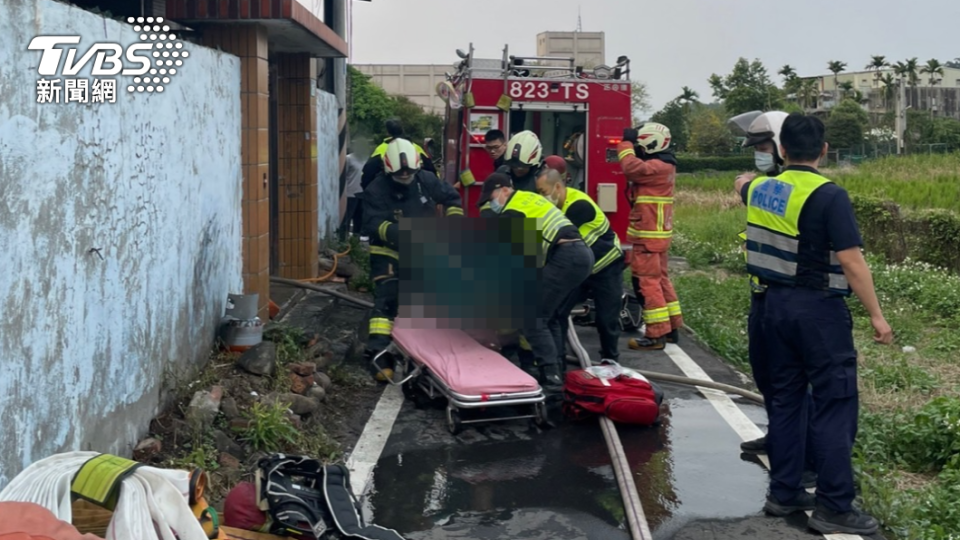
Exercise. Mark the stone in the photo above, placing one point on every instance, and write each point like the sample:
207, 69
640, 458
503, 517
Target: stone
299, 384
346, 268
321, 379
304, 369
229, 462
261, 359
229, 408
296, 421
317, 393
147, 449
226, 444
204, 407
300, 405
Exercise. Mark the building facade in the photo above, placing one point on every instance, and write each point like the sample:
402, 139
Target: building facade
587, 48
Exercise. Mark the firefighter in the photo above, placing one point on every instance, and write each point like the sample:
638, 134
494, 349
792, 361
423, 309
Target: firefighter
763, 135
402, 190
523, 160
374, 165
606, 278
651, 176
565, 260
804, 246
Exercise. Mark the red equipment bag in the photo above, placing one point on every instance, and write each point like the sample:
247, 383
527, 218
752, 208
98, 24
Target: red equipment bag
622, 397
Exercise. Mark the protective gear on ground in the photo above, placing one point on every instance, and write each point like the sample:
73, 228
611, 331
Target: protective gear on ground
524, 150
650, 188
653, 137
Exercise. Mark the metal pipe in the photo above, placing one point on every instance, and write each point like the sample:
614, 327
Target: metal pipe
335, 294
636, 520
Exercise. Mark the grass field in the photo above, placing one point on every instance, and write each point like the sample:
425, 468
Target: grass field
908, 447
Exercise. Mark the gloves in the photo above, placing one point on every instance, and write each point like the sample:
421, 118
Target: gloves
630, 135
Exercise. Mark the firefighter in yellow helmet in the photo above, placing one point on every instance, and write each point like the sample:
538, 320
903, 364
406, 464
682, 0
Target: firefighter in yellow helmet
402, 190
651, 171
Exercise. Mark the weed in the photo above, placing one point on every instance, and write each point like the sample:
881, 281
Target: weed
288, 340
348, 377
202, 453
315, 442
270, 429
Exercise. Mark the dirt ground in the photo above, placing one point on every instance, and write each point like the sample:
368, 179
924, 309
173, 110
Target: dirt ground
313, 328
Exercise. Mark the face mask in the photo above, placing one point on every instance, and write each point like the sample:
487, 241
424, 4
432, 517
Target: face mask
554, 198
764, 161
496, 206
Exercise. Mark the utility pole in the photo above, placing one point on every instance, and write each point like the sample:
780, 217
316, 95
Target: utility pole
900, 116
579, 21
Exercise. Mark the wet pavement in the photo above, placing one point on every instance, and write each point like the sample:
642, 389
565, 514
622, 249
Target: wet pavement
512, 480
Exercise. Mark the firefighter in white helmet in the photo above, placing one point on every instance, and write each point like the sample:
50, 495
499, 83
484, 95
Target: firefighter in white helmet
402, 190
651, 171
522, 162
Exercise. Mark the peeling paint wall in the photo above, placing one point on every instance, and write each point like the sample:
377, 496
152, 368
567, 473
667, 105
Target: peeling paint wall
154, 182
328, 165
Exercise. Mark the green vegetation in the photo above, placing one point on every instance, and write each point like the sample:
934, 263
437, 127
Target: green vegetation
370, 107
270, 429
907, 455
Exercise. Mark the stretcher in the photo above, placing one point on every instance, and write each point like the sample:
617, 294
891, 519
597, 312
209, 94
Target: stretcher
435, 363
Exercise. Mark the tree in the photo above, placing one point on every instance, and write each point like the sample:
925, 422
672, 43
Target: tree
836, 67
908, 71
845, 88
369, 107
955, 63
673, 116
747, 88
809, 93
709, 136
847, 125
877, 63
639, 100
935, 69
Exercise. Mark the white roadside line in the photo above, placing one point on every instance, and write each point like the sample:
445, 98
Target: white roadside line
743, 426
367, 452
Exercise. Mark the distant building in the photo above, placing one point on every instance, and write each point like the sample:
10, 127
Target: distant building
418, 82
939, 94
587, 48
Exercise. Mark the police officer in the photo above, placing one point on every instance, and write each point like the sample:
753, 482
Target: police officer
402, 190
568, 262
762, 130
606, 278
803, 244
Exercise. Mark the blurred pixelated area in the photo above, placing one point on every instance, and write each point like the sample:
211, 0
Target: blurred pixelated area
469, 274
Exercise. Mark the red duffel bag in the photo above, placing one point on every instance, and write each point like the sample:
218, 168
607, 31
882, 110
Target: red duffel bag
621, 394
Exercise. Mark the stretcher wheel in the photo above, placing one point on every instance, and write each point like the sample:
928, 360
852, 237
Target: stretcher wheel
540, 410
453, 421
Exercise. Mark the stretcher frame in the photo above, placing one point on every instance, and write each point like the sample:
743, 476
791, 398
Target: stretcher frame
416, 376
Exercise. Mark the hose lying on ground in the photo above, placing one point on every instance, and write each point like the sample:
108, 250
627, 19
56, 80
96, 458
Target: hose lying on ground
636, 520
335, 294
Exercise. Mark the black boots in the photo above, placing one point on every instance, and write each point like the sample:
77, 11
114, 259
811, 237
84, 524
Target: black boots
756, 446
803, 502
550, 377
855, 521
647, 344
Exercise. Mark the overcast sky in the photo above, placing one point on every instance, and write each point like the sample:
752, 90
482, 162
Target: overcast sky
671, 44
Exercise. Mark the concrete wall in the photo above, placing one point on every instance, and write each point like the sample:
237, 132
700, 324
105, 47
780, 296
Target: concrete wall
417, 82
154, 182
587, 48
328, 165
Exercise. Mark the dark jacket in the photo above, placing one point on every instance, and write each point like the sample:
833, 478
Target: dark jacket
386, 201
528, 182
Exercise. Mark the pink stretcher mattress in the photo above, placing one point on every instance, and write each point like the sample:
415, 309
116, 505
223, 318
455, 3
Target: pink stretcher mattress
463, 364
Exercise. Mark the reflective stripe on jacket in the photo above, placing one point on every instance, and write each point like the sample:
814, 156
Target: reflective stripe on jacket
605, 251
549, 219
650, 190
773, 235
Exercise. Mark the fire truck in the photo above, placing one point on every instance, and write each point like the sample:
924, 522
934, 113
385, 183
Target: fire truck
577, 113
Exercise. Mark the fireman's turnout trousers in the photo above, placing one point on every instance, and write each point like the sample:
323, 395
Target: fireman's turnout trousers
661, 307
386, 302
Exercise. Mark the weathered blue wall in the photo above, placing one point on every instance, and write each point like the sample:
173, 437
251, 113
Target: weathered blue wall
154, 182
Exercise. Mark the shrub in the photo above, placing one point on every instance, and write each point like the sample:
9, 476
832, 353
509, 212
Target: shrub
692, 164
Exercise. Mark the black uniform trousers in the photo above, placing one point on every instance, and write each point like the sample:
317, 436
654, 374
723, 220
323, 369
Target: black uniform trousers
567, 267
386, 298
807, 339
760, 367
607, 288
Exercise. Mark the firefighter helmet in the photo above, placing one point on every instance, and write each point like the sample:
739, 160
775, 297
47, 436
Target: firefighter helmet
524, 150
401, 156
653, 137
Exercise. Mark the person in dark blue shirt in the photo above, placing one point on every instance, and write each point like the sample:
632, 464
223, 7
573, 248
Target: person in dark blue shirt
803, 245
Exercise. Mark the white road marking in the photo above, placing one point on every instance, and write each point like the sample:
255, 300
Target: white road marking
743, 426
367, 452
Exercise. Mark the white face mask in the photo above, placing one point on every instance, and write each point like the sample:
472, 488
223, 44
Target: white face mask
496, 206
764, 161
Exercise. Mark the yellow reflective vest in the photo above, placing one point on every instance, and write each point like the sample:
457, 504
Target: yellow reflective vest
605, 252
548, 218
773, 235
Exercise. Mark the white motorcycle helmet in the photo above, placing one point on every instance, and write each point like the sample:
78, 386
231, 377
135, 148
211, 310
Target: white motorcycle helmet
759, 127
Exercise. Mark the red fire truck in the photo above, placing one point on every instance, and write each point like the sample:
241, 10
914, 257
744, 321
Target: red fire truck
579, 114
